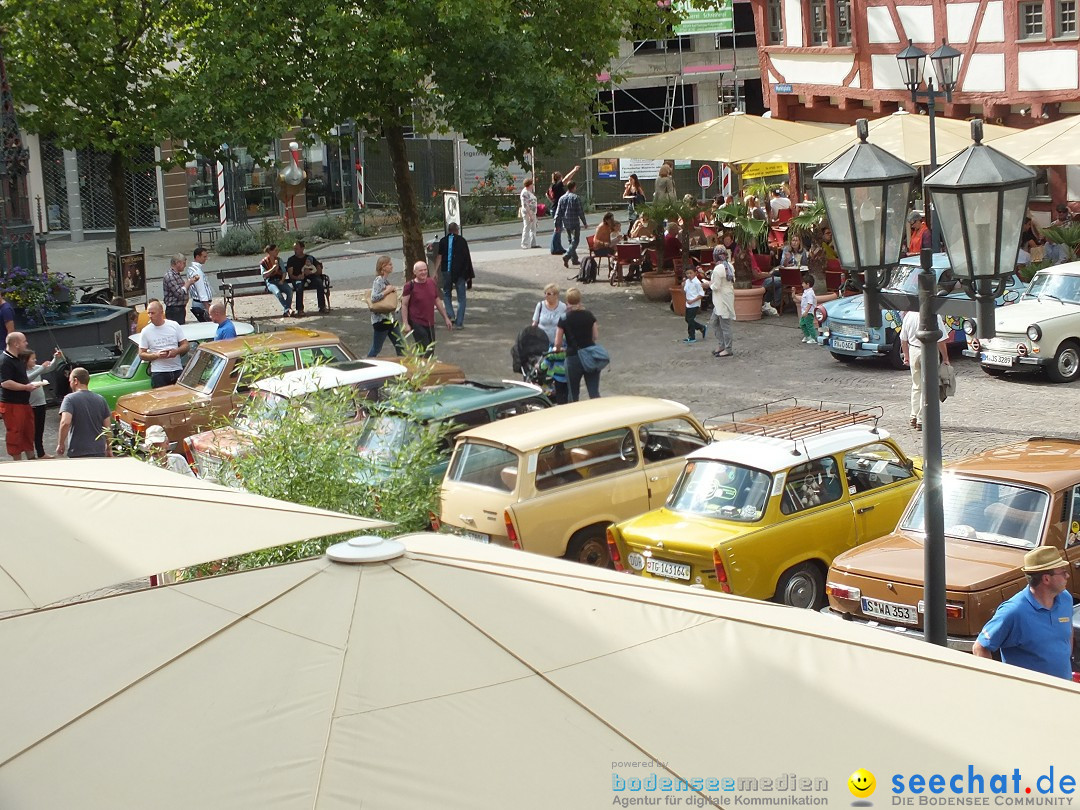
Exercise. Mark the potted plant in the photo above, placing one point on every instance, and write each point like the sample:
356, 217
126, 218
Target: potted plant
36, 296
748, 232
657, 284
810, 226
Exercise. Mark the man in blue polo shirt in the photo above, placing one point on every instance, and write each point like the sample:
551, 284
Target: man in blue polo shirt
1033, 628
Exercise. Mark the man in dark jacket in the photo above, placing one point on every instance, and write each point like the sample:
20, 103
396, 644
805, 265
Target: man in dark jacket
456, 265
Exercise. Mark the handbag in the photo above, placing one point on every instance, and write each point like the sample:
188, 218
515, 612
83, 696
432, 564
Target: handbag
388, 303
594, 358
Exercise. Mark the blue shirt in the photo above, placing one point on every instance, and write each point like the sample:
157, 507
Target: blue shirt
225, 330
7, 313
1031, 636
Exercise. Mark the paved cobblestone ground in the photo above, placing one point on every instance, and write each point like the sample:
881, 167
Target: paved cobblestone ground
643, 339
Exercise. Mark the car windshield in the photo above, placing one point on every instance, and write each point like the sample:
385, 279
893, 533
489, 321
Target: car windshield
128, 363
988, 511
202, 371
721, 490
905, 278
382, 437
1054, 285
261, 409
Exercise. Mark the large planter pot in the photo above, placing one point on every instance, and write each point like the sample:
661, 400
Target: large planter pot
656, 286
678, 300
748, 304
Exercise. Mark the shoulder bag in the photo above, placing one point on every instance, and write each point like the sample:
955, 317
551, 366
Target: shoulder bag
388, 303
594, 358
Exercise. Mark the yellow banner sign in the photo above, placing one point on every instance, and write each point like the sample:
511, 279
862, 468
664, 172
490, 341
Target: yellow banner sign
755, 171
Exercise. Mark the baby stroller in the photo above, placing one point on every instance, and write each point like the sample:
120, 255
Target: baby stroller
527, 352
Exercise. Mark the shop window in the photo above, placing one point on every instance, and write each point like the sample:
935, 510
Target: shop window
843, 22
819, 23
776, 22
202, 191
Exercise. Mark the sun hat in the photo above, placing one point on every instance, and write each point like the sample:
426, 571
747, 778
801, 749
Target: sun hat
1043, 558
155, 435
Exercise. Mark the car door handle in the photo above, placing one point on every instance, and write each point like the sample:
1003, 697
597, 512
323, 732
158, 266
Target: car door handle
654, 477
863, 510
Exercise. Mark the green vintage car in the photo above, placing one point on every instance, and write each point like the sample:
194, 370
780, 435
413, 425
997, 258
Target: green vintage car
130, 374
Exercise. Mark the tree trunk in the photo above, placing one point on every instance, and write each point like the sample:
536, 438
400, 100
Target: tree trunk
412, 237
118, 190
743, 265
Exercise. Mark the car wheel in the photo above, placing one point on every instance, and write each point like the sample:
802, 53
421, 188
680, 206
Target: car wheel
801, 587
896, 357
993, 371
1066, 365
843, 358
589, 546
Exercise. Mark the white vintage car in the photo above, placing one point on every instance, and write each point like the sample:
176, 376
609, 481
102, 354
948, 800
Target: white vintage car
1041, 329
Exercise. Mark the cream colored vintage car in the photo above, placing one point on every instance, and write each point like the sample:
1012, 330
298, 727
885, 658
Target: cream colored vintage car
1041, 329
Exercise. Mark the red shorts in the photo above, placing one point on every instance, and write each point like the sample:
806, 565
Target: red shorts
19, 423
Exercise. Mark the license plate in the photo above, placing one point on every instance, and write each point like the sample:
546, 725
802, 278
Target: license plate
905, 614
992, 359
479, 538
663, 568
849, 345
124, 426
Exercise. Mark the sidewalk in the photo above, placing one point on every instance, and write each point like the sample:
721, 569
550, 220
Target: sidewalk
86, 259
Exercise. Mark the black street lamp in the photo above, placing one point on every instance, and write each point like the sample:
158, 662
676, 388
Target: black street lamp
981, 196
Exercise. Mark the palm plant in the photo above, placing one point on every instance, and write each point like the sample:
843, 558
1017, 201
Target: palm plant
670, 211
748, 232
1067, 235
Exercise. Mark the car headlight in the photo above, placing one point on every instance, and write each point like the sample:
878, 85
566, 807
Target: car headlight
970, 326
1034, 332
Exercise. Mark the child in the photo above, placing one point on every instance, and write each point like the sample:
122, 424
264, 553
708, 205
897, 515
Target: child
694, 292
806, 309
37, 397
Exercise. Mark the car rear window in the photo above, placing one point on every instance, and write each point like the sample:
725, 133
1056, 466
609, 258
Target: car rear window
484, 466
720, 490
988, 511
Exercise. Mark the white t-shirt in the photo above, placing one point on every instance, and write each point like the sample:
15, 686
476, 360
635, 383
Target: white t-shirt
778, 204
809, 301
694, 292
909, 328
200, 290
157, 338
548, 319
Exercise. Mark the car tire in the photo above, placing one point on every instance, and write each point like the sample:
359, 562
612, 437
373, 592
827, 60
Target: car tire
1066, 365
589, 547
993, 371
801, 586
896, 356
843, 358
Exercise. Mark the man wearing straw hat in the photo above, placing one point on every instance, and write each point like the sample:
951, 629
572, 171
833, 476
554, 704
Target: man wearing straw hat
1033, 629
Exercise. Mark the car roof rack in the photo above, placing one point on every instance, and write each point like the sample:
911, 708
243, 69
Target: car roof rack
795, 419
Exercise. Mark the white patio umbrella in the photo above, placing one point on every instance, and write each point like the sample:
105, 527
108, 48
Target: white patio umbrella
73, 526
1054, 144
732, 138
466, 676
905, 135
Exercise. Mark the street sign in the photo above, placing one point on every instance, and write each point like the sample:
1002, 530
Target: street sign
705, 176
451, 209
783, 88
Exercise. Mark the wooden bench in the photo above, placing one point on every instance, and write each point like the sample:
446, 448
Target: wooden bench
248, 281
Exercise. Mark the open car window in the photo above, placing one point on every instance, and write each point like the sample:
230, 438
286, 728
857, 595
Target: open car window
874, 466
812, 484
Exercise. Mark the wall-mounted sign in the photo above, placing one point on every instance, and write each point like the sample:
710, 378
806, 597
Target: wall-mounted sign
644, 169
756, 171
783, 88
127, 274
607, 168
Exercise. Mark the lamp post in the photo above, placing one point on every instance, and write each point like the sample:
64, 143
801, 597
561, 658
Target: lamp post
981, 196
946, 62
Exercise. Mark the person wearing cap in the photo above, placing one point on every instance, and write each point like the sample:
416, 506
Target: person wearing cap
156, 447
1033, 628
918, 234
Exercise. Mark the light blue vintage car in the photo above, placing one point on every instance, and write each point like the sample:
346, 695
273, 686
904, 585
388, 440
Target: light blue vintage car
842, 325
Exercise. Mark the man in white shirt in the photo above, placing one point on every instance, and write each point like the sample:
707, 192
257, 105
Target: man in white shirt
912, 351
778, 203
162, 344
200, 291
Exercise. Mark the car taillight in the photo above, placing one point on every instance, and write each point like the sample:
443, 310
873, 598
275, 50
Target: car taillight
138, 427
189, 454
721, 574
954, 611
511, 532
842, 591
613, 551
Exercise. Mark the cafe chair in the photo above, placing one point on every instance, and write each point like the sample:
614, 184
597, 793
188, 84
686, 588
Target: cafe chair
610, 266
628, 255
790, 277
834, 275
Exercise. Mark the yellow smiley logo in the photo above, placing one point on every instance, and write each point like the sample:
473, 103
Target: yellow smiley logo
861, 783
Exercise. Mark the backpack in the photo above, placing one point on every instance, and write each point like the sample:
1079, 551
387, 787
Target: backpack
588, 270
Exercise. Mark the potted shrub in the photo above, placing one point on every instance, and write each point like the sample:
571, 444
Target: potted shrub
748, 232
657, 284
810, 226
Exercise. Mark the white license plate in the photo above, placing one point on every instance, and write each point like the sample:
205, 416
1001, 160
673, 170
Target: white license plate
479, 538
671, 570
905, 614
848, 345
992, 359
124, 426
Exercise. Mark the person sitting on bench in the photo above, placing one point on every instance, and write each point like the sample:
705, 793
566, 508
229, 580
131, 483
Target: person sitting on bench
274, 277
306, 273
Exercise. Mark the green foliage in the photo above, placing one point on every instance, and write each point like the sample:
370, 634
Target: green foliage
239, 242
748, 233
1067, 235
36, 293
273, 232
328, 227
359, 220
808, 222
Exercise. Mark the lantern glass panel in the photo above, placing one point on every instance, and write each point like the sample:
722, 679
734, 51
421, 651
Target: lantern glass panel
981, 208
895, 217
1015, 202
952, 220
836, 205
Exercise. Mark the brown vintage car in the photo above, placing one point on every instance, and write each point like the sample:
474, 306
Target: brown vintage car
998, 505
213, 383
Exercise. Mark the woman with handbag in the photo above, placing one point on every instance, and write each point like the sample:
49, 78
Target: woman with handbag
383, 305
578, 332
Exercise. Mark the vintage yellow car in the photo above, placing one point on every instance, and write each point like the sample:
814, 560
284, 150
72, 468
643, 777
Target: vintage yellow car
763, 516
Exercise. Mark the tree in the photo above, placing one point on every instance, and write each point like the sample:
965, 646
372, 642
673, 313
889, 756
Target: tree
522, 70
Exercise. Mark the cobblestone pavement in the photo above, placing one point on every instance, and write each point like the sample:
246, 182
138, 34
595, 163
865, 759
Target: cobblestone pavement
648, 358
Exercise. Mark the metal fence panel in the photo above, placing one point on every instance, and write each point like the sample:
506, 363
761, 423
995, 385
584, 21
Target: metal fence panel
433, 170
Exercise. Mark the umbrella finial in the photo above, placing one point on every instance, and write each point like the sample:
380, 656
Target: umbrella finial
862, 128
977, 130
367, 548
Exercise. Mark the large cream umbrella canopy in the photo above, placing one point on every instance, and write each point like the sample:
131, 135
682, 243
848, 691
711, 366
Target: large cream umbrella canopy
468, 676
73, 526
904, 135
1053, 144
732, 138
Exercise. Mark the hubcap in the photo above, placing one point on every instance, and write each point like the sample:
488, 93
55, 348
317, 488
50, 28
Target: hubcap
592, 554
801, 592
1068, 363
